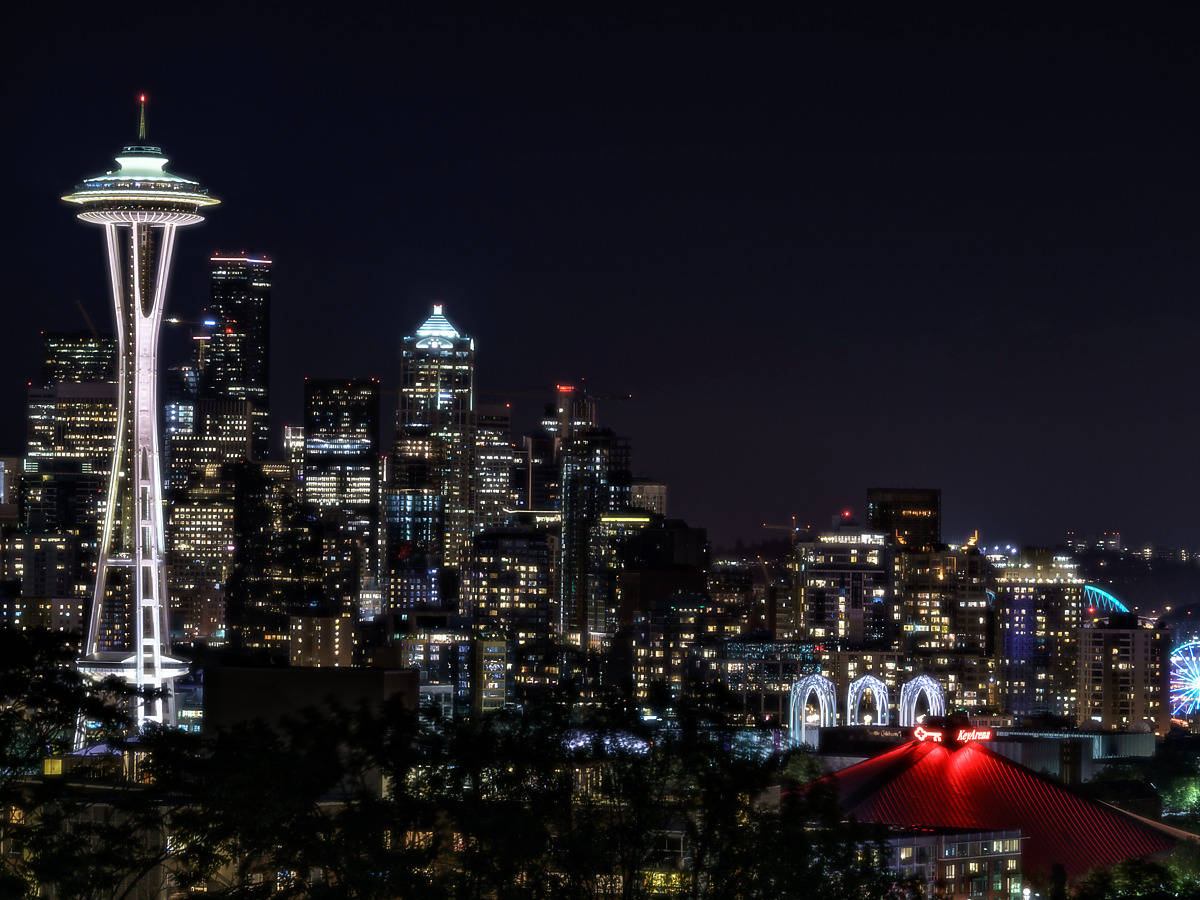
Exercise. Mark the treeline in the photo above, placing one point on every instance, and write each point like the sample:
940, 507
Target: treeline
391, 803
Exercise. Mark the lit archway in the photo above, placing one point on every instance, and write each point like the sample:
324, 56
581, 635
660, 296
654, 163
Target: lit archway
826, 706
854, 695
912, 691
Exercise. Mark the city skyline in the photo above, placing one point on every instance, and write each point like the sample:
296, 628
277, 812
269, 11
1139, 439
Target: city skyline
1030, 391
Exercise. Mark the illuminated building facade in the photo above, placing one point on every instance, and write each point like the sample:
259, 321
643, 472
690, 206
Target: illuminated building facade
595, 480
222, 432
1124, 675
649, 495
912, 517
609, 535
341, 441
508, 584
60, 614
842, 581
945, 600
316, 641
759, 673
490, 688
202, 549
140, 206
71, 430
435, 425
293, 453
1039, 612
662, 641
79, 357
442, 657
182, 384
494, 463
236, 361
47, 565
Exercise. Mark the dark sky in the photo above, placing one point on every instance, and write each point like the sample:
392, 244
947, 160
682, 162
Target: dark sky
822, 253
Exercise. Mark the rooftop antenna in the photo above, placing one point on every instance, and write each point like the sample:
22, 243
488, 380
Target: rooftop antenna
142, 117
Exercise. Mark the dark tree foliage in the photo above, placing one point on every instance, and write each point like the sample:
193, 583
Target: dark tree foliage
43, 701
381, 803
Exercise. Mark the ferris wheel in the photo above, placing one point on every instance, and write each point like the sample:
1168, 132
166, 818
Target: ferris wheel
1185, 679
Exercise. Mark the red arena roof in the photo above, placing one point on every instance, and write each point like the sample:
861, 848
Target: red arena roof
970, 788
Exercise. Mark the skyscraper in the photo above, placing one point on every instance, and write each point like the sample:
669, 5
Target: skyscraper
140, 206
78, 357
494, 466
595, 480
237, 356
341, 454
1039, 612
434, 425
912, 517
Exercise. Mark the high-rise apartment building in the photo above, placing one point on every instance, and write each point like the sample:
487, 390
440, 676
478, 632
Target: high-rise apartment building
1039, 611
508, 584
843, 589
435, 425
912, 517
236, 359
944, 602
1124, 675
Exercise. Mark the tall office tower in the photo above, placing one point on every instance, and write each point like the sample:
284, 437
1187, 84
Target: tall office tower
140, 206
912, 517
293, 452
654, 563
1124, 675
434, 425
70, 432
202, 545
595, 480
223, 432
537, 473
179, 407
341, 457
78, 357
609, 535
1039, 611
277, 565
236, 359
842, 584
650, 496
494, 462
413, 554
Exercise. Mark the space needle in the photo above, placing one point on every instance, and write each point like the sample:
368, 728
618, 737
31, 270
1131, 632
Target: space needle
140, 205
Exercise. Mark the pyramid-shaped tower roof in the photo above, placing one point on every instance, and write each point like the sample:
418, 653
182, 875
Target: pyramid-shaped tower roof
437, 325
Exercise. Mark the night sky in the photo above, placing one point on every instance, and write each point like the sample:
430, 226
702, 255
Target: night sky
822, 254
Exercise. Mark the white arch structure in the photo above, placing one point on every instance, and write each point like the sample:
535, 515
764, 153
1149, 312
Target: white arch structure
911, 692
854, 695
826, 704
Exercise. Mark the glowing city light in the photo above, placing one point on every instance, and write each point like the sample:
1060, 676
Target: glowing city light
1185, 679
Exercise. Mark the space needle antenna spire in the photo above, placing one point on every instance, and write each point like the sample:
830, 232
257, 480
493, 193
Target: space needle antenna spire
140, 205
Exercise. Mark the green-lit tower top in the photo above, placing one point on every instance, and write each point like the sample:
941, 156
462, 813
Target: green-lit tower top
141, 189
